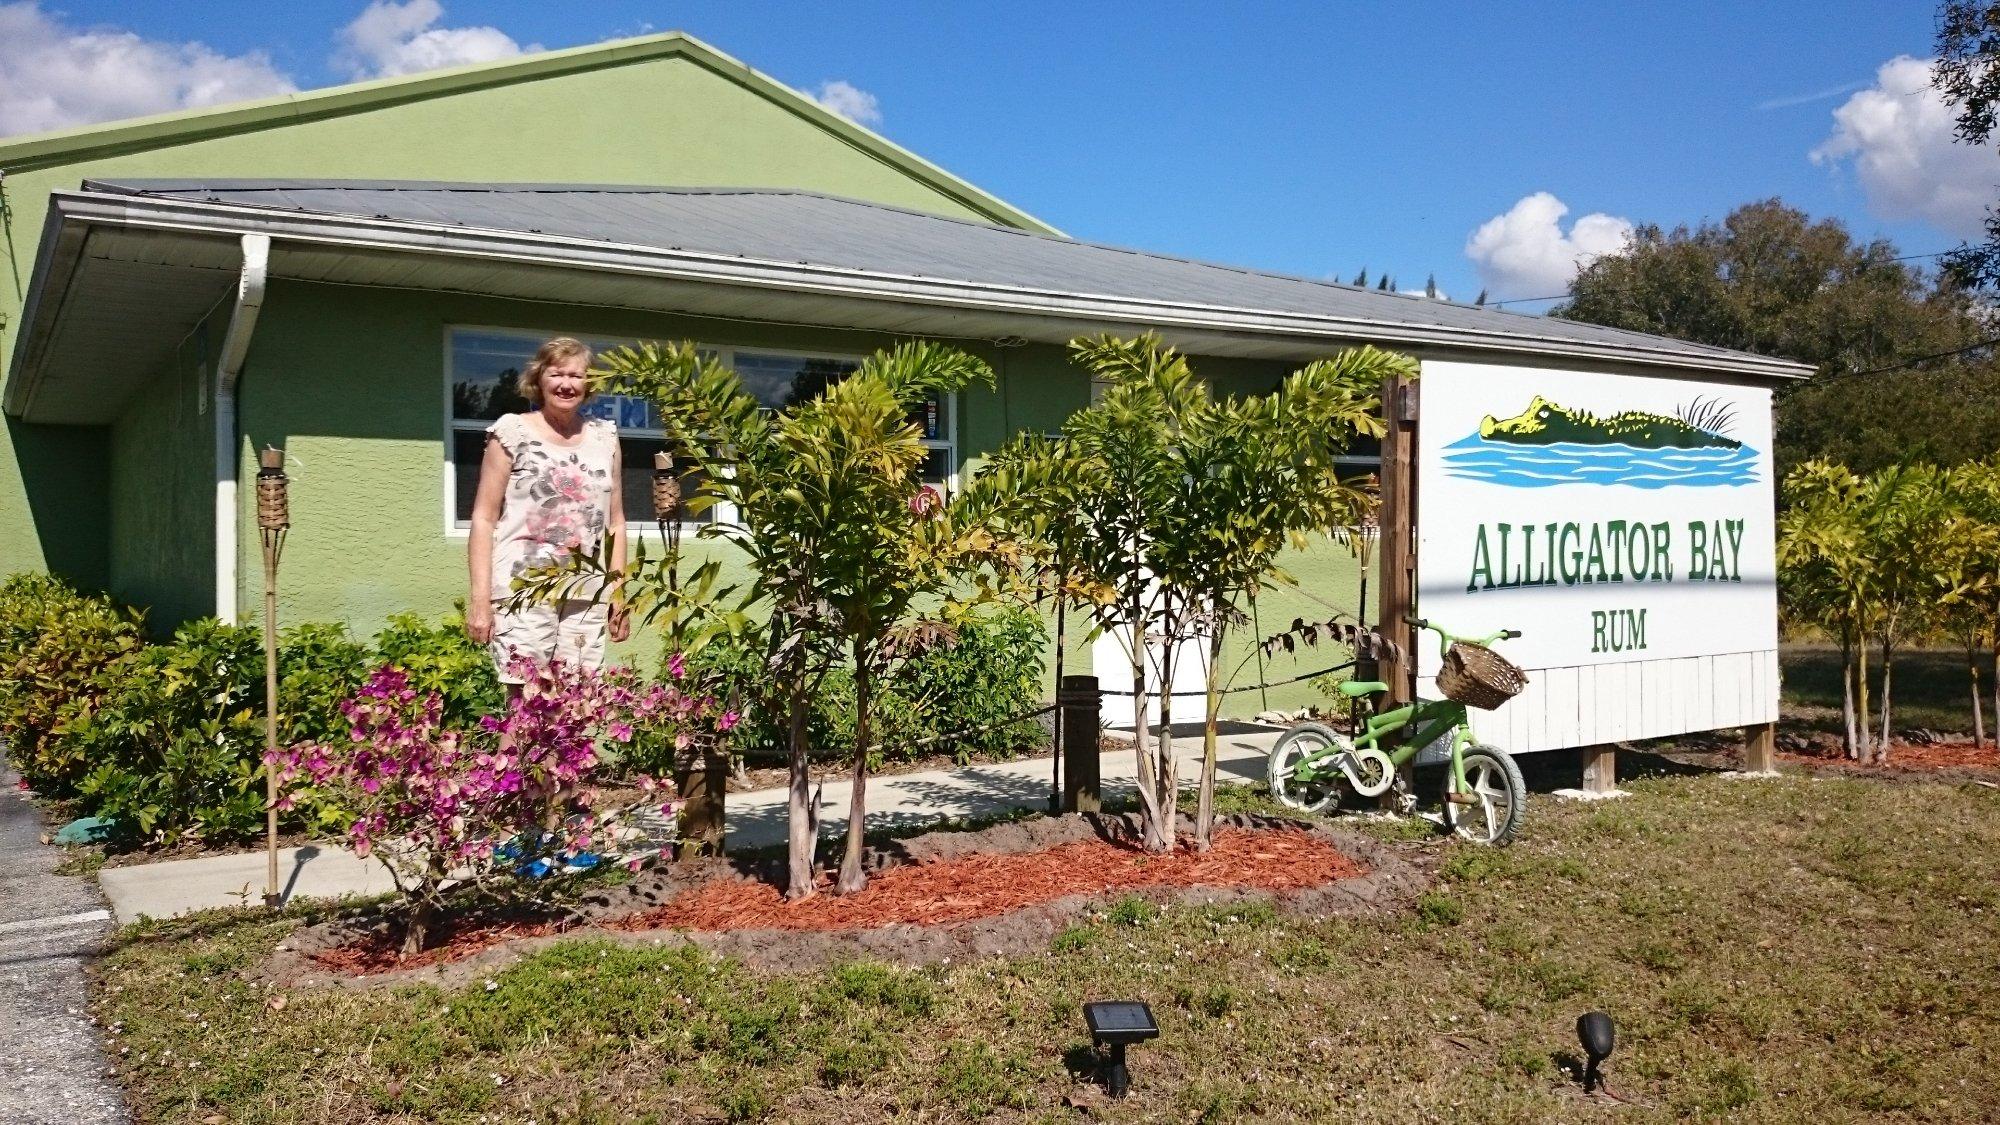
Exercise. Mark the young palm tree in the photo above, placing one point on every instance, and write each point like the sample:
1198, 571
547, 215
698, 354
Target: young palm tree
1172, 509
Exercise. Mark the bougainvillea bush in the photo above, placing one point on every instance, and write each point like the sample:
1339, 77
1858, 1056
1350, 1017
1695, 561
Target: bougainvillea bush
442, 806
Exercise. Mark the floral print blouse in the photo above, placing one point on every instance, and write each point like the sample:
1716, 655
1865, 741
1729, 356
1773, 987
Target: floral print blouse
558, 497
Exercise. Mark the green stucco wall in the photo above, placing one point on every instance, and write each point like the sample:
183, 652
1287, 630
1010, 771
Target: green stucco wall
162, 490
350, 382
668, 120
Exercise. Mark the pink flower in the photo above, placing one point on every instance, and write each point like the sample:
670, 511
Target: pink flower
728, 721
676, 666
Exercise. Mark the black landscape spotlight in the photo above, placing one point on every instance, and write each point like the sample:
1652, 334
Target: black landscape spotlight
1114, 1024
1595, 1033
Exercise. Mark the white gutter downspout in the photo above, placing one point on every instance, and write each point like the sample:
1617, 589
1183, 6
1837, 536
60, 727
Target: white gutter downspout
228, 371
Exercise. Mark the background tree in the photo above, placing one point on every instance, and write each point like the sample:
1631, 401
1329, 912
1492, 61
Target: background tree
1768, 279
1967, 73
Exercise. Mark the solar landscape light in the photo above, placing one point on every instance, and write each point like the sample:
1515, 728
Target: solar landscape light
1114, 1024
1597, 1036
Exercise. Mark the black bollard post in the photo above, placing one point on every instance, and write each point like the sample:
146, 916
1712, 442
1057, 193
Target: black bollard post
1081, 705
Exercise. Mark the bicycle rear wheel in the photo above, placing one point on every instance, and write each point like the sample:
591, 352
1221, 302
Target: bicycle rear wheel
1499, 795
1296, 746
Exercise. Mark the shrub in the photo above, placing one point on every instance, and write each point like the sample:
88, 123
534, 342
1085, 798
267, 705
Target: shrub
993, 670
441, 658
319, 668
175, 739
428, 798
60, 655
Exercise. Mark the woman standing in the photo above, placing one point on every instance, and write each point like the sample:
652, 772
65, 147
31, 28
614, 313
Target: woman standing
549, 490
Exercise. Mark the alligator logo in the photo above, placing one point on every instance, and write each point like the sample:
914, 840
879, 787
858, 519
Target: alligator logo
1550, 444
1547, 423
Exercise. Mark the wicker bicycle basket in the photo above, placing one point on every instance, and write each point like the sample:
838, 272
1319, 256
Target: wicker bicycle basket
1479, 677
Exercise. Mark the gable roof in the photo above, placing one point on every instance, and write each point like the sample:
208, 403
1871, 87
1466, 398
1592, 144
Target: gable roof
112, 138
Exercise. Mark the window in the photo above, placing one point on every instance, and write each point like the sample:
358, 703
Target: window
484, 365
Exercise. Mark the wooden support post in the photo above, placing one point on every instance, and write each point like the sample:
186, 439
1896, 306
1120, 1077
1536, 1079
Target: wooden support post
1080, 706
704, 786
1397, 659
1600, 769
1760, 748
1399, 539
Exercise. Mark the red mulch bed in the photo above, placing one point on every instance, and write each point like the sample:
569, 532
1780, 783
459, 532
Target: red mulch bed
936, 893
980, 886
1912, 756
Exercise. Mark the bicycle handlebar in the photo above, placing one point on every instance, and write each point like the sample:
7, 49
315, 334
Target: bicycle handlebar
1448, 638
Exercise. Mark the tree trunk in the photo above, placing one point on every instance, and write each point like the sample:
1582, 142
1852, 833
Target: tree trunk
803, 839
1204, 813
1865, 744
1055, 758
1888, 672
1149, 809
1167, 773
423, 909
853, 878
1850, 744
1972, 670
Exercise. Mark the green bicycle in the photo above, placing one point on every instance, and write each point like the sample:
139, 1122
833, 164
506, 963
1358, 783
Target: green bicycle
1484, 796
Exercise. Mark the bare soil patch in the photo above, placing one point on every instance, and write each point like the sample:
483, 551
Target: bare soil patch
1005, 890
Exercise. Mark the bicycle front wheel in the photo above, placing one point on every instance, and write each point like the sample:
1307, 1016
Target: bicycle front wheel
1490, 810
1307, 742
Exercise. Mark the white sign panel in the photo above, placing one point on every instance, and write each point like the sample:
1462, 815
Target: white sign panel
1612, 519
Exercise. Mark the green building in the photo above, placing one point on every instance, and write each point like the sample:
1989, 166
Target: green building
349, 273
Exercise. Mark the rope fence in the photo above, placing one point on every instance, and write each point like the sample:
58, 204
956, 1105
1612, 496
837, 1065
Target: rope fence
1047, 708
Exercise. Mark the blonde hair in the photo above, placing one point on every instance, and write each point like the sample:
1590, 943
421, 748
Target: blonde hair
549, 354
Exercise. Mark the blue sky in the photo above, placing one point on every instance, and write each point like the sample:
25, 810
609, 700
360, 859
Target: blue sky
1309, 138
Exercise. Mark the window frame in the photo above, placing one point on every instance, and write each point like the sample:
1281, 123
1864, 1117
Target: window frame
723, 513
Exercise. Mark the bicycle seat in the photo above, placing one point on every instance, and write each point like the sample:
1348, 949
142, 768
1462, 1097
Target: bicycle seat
1355, 689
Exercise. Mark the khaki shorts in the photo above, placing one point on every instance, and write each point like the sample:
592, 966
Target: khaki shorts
571, 630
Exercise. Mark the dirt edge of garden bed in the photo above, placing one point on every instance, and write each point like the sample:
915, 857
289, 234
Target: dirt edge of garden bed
1389, 881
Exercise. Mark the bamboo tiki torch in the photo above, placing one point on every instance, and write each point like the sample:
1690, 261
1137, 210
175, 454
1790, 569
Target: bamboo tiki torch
273, 519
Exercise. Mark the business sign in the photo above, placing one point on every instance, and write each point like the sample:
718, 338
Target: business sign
1610, 518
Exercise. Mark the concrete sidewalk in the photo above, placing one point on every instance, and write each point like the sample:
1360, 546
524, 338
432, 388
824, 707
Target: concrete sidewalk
52, 1062
756, 819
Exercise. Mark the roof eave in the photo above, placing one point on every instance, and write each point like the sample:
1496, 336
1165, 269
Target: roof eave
71, 212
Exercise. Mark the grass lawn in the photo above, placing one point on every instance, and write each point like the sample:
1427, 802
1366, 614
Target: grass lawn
1773, 950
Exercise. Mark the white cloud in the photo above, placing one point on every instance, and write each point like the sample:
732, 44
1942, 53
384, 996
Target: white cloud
1898, 135
1526, 253
849, 101
388, 38
54, 76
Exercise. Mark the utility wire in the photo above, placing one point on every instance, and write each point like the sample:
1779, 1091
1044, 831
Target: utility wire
1912, 362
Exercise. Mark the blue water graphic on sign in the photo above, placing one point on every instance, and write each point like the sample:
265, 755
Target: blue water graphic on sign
1516, 465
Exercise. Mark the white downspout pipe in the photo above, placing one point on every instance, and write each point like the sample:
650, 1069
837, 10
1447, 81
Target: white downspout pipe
228, 371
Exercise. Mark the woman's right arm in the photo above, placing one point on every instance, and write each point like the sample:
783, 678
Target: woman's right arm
494, 470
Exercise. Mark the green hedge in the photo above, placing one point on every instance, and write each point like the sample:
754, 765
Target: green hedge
166, 739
